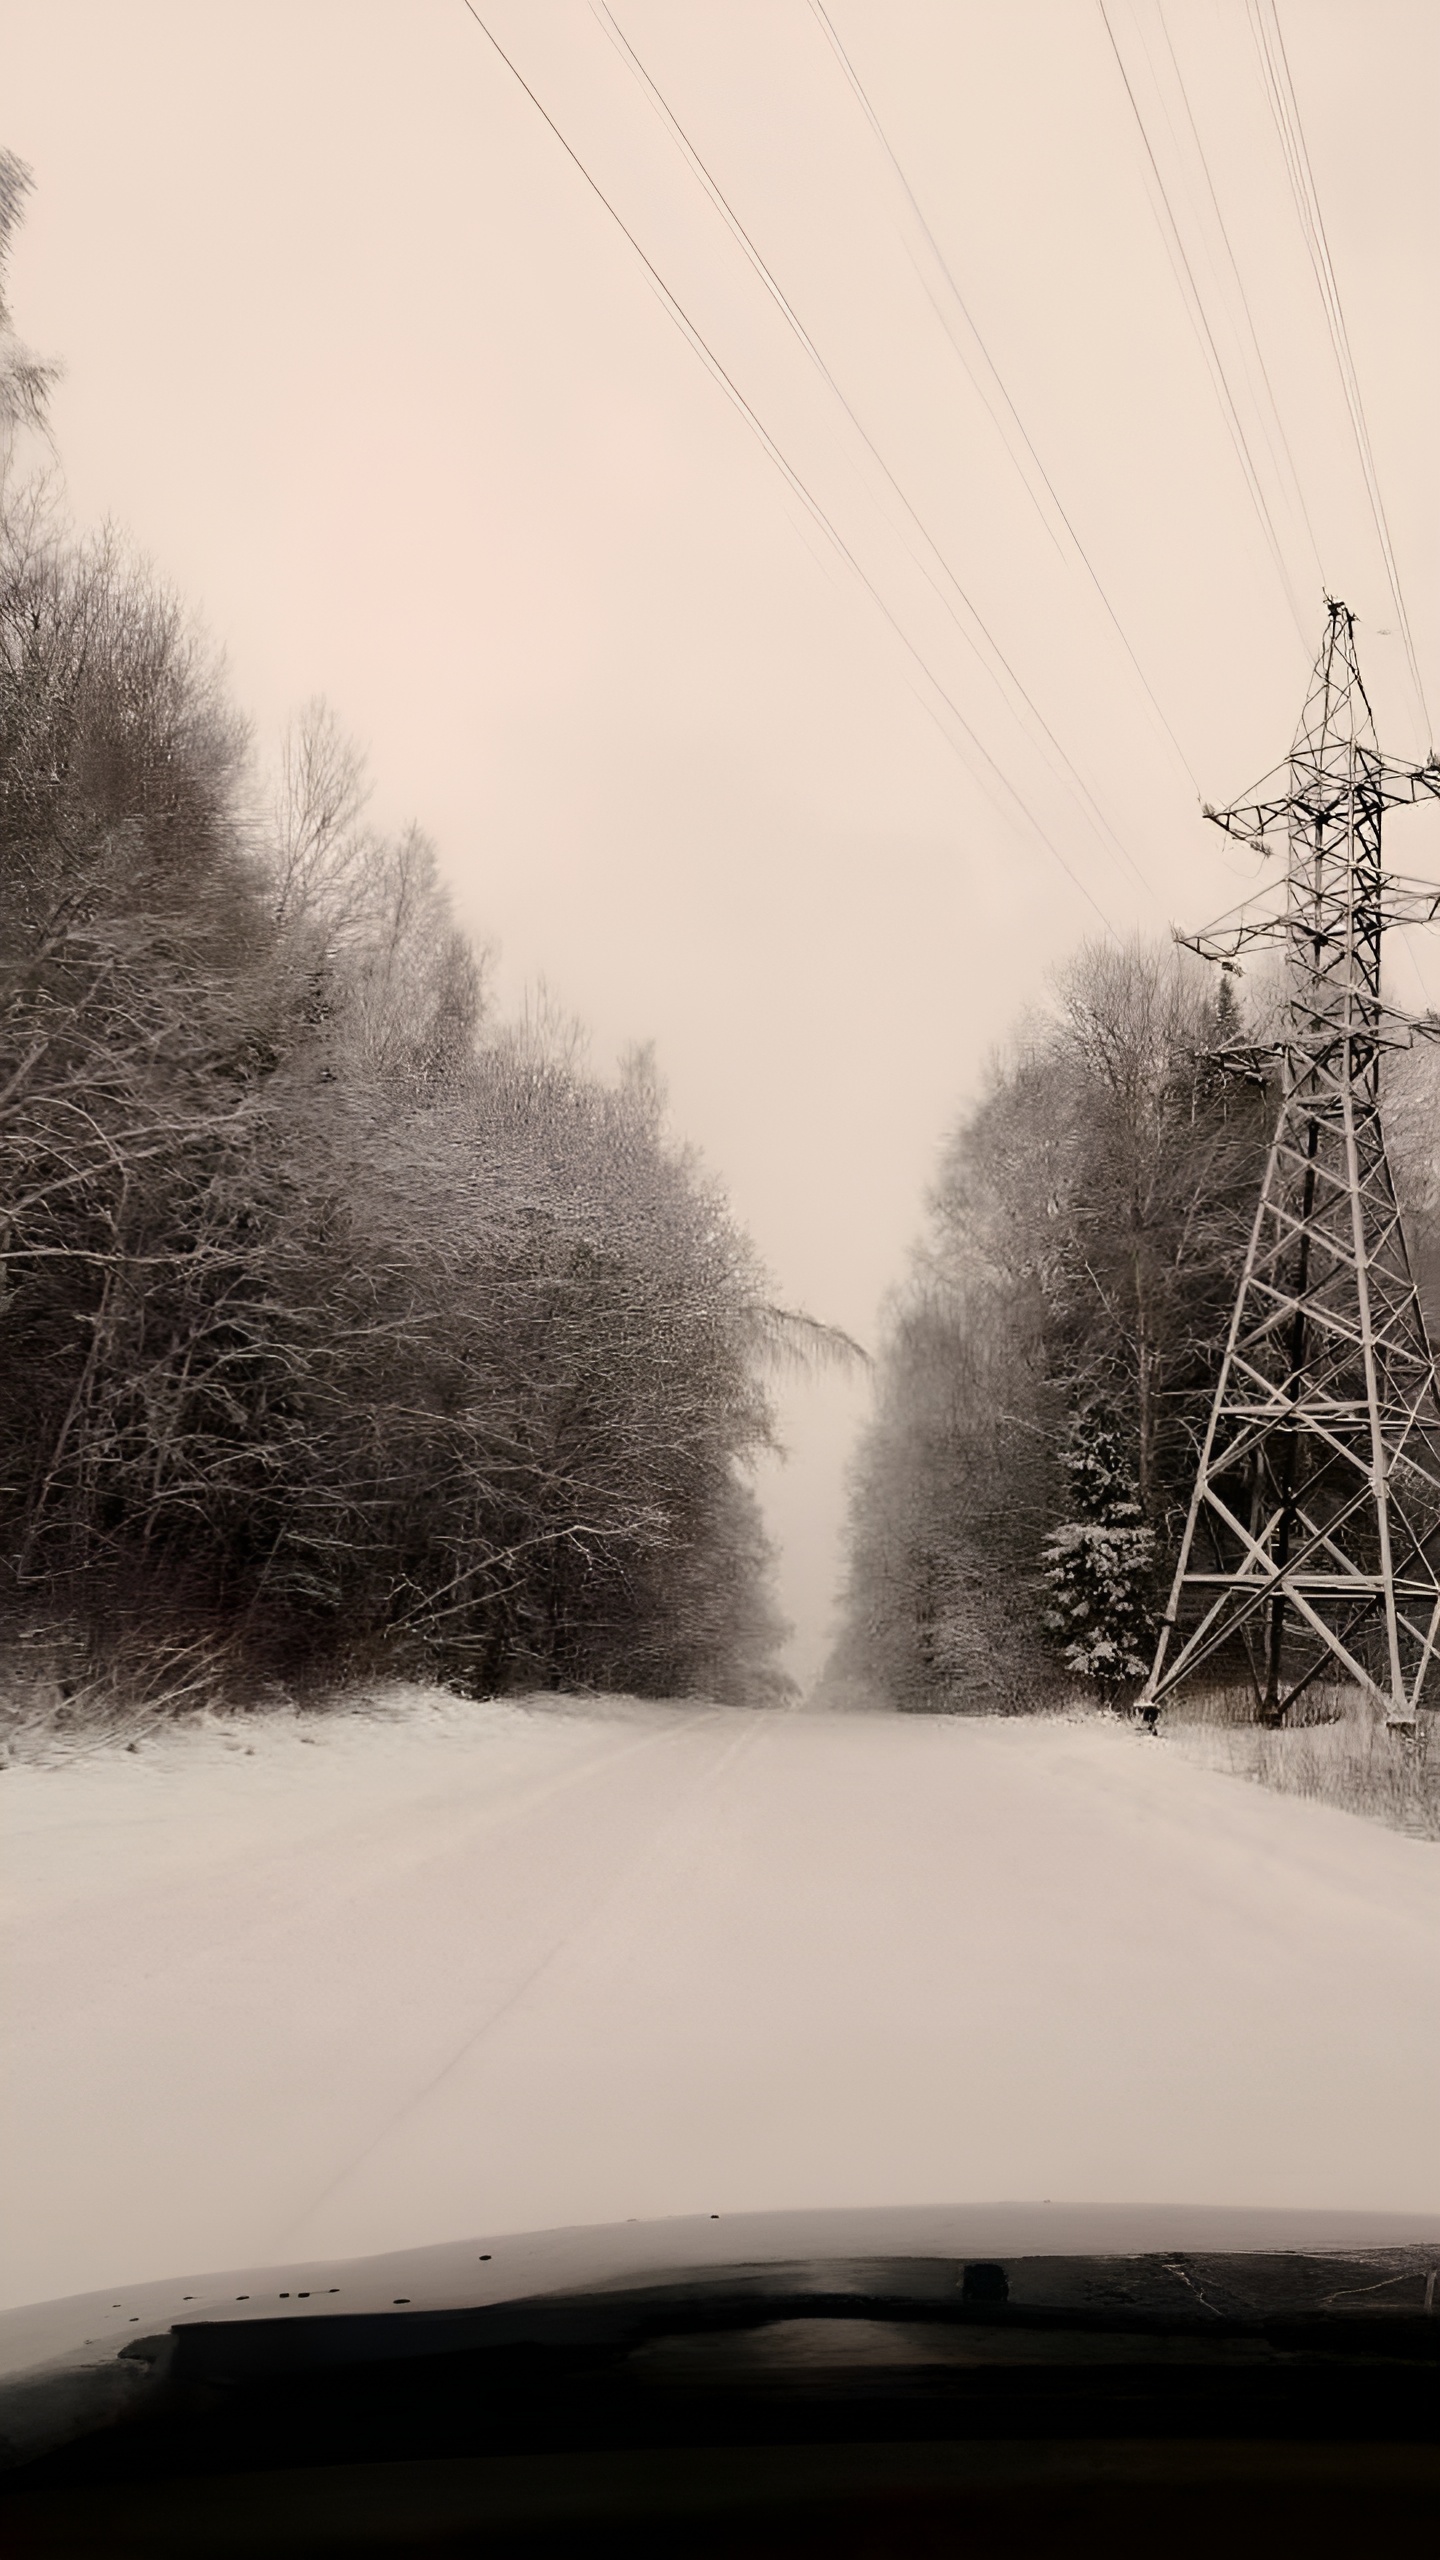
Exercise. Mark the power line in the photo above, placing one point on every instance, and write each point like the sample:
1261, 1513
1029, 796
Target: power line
1234, 266
1195, 308
693, 337
713, 189
1007, 419
1269, 41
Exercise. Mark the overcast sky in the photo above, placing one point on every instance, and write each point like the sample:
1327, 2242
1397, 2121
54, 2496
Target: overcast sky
365, 367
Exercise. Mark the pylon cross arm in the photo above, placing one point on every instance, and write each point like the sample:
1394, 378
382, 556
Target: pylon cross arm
1407, 783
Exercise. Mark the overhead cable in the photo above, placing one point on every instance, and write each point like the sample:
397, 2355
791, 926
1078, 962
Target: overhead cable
989, 384
1285, 109
1071, 773
697, 342
1234, 266
1195, 308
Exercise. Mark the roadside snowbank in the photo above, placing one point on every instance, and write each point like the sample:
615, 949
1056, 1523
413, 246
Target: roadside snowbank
1339, 1753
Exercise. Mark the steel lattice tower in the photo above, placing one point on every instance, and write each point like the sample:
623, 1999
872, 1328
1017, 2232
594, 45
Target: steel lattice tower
1313, 1535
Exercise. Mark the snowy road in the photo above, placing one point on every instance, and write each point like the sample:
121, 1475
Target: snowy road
389, 1980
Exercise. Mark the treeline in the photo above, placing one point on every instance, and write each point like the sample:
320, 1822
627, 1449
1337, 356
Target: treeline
1021, 1491
343, 1325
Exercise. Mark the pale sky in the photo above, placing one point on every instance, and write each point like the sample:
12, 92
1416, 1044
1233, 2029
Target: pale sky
361, 363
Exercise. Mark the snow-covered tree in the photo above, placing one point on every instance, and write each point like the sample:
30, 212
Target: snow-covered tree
1086, 1232
25, 379
1098, 1562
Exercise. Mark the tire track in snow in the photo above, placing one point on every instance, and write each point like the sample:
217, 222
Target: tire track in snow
282, 1892
631, 1881
232, 2052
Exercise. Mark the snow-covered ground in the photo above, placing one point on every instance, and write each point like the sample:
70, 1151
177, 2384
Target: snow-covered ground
1340, 1753
336, 1986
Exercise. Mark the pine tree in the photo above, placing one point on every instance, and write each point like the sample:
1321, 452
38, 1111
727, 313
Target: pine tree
1098, 1562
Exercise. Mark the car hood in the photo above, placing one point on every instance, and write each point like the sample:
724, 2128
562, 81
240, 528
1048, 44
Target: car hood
71, 2367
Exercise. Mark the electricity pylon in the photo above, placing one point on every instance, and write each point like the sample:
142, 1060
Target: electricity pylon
1313, 1536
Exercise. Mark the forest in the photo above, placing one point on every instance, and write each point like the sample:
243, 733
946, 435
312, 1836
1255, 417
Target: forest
348, 1326
1050, 1358
352, 1327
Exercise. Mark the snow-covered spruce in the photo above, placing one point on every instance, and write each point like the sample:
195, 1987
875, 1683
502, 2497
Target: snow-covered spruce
1098, 1563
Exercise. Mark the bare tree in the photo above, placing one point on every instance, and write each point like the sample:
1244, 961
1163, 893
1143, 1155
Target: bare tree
321, 857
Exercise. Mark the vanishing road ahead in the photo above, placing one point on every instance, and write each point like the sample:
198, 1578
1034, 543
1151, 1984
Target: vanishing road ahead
394, 1978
